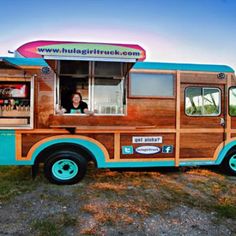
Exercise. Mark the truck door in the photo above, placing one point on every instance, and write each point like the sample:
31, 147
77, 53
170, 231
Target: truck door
202, 121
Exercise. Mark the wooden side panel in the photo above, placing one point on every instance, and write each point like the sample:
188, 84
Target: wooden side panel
52, 64
233, 135
141, 112
44, 95
199, 145
28, 140
201, 78
12, 73
233, 122
106, 139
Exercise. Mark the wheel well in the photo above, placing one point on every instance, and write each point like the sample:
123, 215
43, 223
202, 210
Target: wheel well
42, 156
231, 150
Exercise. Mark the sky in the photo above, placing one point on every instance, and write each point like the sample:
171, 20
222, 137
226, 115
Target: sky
182, 31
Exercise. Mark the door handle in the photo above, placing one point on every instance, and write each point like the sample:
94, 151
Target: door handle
222, 122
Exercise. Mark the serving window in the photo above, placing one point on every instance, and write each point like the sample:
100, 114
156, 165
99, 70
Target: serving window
101, 85
16, 104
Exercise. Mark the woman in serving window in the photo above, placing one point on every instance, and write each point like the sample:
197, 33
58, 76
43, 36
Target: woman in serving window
77, 104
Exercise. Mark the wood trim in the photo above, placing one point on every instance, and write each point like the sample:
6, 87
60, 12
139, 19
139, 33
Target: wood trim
197, 159
204, 83
16, 79
114, 129
149, 71
104, 127
228, 117
18, 146
98, 130
201, 130
141, 160
30, 67
116, 146
177, 138
151, 97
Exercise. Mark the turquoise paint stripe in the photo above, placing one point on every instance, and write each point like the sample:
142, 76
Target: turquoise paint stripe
132, 164
183, 67
197, 163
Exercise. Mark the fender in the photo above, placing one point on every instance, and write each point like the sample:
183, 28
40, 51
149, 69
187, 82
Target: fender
96, 148
223, 149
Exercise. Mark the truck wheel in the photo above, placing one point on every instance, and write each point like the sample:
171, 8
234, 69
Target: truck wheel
65, 167
229, 163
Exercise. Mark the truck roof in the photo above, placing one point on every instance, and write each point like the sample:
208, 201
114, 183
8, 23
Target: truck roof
182, 67
17, 62
40, 62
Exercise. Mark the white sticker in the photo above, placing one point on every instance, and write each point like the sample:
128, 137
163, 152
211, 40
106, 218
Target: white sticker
147, 139
147, 149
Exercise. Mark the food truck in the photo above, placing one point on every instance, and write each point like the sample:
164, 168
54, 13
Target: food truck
141, 114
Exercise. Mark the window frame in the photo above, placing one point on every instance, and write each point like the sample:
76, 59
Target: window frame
231, 87
29, 80
130, 95
202, 88
123, 97
91, 90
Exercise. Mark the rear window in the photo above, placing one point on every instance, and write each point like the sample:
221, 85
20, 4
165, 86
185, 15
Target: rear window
151, 85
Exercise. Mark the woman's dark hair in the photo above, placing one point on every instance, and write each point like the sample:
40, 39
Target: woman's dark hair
73, 94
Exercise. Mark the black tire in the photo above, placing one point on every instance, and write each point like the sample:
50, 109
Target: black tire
65, 167
229, 163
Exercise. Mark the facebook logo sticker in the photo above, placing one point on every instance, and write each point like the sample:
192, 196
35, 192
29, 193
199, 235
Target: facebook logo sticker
127, 150
167, 149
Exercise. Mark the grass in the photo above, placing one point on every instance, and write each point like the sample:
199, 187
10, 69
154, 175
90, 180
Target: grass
226, 211
53, 225
15, 181
45, 228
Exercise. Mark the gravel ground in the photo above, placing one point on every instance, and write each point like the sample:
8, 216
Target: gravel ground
127, 203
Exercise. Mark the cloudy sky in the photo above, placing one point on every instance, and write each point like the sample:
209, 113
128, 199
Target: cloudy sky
191, 31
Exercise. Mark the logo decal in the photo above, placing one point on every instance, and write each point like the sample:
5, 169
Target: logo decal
167, 149
45, 70
127, 150
148, 149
